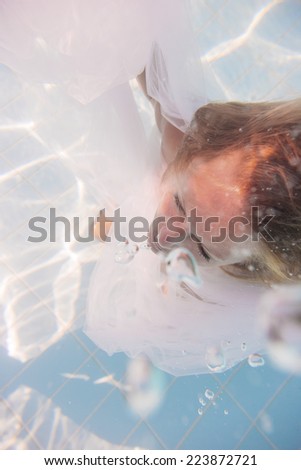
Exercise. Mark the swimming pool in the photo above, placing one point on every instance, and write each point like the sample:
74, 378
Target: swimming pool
58, 390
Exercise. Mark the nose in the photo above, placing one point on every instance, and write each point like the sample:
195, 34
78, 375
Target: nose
163, 237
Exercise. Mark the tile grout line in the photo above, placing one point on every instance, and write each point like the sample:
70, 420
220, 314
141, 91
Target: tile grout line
84, 422
267, 404
149, 425
249, 69
24, 425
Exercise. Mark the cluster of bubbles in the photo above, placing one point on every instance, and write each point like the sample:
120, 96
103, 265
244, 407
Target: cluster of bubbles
209, 394
207, 398
281, 310
179, 265
216, 360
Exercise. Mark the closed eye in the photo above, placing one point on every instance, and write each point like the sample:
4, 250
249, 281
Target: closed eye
201, 248
179, 204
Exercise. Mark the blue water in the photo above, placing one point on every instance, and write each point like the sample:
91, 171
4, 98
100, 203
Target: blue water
255, 408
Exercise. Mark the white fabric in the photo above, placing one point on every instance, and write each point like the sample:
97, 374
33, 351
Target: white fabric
91, 49
127, 310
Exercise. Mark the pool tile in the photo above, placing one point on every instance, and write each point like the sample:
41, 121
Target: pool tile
113, 420
79, 396
179, 408
27, 156
52, 179
115, 364
17, 206
9, 367
144, 438
219, 427
24, 441
252, 387
44, 372
255, 441
284, 413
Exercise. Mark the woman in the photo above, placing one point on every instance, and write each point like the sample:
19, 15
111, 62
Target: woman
186, 321
247, 155
229, 165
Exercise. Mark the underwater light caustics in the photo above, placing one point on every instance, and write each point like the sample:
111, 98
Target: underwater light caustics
281, 320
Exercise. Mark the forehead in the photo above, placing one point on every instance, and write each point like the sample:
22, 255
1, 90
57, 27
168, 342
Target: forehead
212, 186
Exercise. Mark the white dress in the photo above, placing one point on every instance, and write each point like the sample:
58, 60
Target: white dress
91, 50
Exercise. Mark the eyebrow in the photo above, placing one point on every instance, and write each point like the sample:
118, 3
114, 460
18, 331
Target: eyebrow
179, 204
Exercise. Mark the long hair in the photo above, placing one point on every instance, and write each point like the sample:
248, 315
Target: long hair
268, 138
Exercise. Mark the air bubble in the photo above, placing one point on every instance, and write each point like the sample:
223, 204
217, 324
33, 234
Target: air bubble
209, 394
125, 252
215, 359
202, 401
255, 360
181, 266
145, 246
200, 411
226, 412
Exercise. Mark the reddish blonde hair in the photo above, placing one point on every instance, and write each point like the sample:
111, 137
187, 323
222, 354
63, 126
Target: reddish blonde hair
268, 137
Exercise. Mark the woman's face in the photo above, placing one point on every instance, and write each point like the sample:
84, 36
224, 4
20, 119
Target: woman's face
202, 209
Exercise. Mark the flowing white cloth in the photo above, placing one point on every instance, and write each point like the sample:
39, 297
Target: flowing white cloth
91, 49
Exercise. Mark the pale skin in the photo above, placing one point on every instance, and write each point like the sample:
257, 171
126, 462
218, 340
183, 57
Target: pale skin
210, 188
